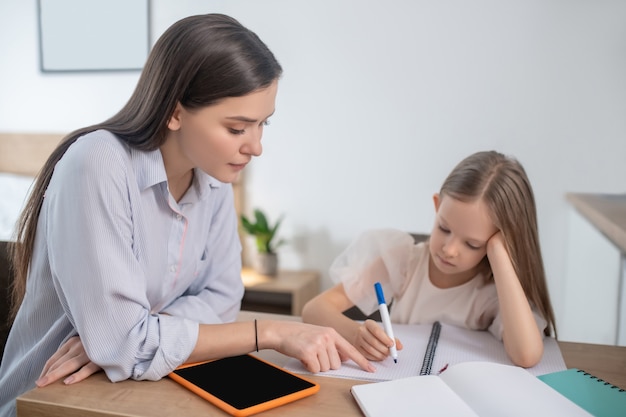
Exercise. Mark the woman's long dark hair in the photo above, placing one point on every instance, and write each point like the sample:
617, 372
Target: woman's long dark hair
197, 62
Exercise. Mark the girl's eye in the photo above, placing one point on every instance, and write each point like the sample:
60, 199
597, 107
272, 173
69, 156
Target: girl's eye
473, 247
443, 229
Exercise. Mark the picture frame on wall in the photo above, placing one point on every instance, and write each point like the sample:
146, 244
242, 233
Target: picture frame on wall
79, 35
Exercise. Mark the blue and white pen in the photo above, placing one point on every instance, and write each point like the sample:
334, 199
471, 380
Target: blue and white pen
384, 315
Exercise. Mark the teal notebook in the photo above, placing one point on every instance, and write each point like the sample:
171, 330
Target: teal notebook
591, 393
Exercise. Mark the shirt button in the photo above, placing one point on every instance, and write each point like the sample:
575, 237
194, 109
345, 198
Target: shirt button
173, 268
178, 217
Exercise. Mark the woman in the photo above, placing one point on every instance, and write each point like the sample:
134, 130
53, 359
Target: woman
129, 238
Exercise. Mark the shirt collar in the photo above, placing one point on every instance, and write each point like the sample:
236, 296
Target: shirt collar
150, 171
205, 182
148, 167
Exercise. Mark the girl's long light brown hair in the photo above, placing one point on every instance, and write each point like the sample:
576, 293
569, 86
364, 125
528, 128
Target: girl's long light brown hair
501, 182
197, 62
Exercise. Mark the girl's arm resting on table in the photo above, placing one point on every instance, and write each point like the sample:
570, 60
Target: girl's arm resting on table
326, 309
522, 338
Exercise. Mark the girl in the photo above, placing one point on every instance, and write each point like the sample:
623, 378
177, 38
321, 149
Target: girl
129, 238
481, 268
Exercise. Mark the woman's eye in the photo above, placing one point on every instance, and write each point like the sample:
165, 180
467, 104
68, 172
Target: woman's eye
265, 122
237, 131
443, 229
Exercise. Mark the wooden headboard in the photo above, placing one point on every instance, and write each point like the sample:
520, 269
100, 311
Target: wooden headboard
25, 153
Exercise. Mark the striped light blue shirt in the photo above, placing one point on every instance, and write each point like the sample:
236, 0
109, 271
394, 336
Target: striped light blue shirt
118, 261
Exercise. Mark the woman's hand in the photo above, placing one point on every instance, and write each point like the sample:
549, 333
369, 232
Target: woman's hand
71, 360
318, 348
372, 341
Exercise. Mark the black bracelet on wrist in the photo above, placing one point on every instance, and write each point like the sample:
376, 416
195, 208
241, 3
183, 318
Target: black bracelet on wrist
256, 336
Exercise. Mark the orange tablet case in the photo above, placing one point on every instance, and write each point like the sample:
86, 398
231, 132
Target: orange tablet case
243, 385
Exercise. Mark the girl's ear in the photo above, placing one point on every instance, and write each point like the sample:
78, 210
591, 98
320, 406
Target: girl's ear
175, 119
437, 201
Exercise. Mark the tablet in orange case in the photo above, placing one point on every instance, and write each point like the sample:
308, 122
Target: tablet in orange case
243, 385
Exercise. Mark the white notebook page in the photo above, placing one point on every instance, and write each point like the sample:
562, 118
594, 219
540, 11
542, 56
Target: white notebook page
455, 345
466, 389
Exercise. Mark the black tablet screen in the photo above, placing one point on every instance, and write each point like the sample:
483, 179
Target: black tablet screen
243, 381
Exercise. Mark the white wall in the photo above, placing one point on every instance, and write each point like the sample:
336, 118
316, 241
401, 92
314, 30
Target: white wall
31, 101
379, 100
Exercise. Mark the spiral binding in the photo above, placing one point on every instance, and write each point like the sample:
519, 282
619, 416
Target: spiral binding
601, 380
427, 364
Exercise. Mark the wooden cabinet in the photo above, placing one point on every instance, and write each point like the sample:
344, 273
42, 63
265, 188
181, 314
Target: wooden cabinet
285, 293
595, 286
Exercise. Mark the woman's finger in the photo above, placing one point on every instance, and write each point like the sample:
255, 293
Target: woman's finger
84, 372
347, 350
58, 355
334, 359
323, 360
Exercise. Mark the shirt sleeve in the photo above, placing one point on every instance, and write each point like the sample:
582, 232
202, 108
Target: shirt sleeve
95, 268
375, 256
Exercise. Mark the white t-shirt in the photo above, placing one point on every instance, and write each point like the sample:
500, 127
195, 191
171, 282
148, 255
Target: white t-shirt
392, 258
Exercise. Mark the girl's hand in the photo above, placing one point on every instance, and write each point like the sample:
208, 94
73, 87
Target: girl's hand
71, 360
372, 341
496, 246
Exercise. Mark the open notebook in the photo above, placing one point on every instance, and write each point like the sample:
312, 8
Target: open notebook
454, 345
472, 389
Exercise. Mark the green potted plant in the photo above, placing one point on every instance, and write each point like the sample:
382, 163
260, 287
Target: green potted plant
266, 241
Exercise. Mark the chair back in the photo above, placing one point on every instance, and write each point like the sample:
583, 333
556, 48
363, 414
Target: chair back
5, 294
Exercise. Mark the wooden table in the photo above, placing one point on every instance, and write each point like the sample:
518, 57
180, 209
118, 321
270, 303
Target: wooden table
96, 396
